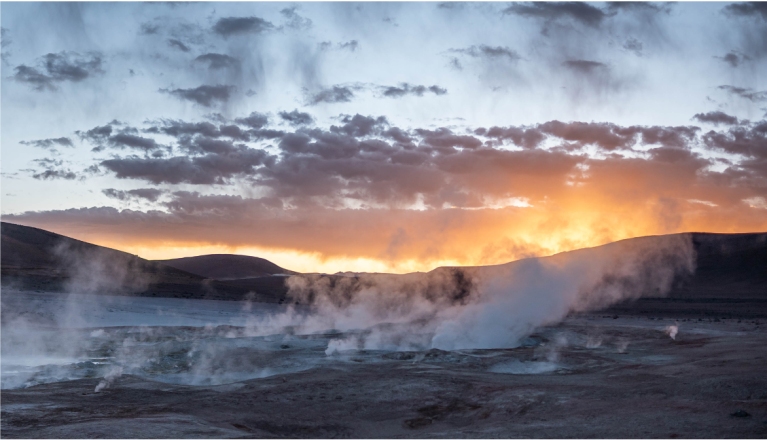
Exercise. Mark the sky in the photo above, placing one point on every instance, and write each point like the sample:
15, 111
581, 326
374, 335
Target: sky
378, 137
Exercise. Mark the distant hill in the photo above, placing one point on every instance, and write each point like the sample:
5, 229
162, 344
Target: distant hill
730, 278
35, 259
227, 267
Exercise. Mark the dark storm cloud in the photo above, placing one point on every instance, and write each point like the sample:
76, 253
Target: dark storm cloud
59, 67
177, 128
296, 118
50, 143
204, 95
149, 29
207, 169
254, 120
605, 135
177, 32
178, 45
52, 170
548, 11
489, 52
110, 135
229, 26
581, 12
746, 140
734, 58
451, 5
445, 140
750, 21
524, 137
584, 66
96, 134
151, 194
217, 61
745, 93
53, 174
367, 159
615, 7
351, 45
360, 126
331, 95
716, 118
295, 21
364, 170
407, 89
633, 45
748, 9
125, 140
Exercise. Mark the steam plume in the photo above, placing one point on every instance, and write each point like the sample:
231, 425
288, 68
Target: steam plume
491, 307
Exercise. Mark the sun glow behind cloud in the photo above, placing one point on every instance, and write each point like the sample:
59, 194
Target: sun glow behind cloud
306, 147
404, 241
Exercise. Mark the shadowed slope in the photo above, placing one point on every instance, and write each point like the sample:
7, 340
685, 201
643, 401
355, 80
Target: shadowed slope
730, 278
227, 267
35, 259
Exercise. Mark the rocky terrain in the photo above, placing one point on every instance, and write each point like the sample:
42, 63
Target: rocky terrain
97, 343
588, 377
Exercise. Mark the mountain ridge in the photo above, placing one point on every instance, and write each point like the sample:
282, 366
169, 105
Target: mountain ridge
730, 269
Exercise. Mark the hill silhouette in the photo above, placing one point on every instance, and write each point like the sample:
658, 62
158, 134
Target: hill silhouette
227, 266
35, 259
730, 277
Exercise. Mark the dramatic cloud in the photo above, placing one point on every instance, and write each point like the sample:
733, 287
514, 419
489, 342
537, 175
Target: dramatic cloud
295, 21
53, 174
218, 61
52, 170
151, 194
581, 12
407, 89
547, 11
570, 126
229, 26
745, 93
716, 118
367, 159
489, 52
124, 140
216, 164
204, 95
400, 183
585, 66
178, 45
331, 95
59, 67
748, 9
735, 58
296, 118
351, 46
254, 120
50, 143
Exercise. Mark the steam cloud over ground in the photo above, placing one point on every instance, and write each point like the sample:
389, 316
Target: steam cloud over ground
448, 309
491, 307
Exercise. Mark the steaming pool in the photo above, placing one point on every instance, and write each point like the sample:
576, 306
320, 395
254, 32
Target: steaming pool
48, 337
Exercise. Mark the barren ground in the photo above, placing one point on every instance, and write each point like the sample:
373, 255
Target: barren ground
591, 376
